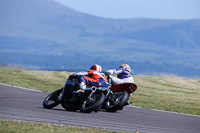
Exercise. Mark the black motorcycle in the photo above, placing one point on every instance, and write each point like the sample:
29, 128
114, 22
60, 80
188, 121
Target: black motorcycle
71, 99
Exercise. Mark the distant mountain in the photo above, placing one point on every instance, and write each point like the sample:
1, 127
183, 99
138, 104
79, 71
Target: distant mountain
43, 34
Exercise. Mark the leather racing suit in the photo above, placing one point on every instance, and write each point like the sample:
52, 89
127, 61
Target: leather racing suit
93, 78
123, 76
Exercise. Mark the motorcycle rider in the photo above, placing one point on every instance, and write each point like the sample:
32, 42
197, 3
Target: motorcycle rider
123, 75
93, 77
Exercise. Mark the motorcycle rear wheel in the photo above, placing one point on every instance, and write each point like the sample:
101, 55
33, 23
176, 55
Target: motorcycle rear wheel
117, 101
93, 103
52, 99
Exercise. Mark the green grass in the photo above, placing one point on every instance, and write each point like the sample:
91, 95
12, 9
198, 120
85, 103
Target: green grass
169, 93
34, 79
34, 127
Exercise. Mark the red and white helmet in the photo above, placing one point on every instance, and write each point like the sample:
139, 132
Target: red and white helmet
126, 67
96, 68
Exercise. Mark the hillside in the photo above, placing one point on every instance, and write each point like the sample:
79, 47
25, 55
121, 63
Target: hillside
46, 35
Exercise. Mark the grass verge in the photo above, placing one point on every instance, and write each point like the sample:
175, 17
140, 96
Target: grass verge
7, 126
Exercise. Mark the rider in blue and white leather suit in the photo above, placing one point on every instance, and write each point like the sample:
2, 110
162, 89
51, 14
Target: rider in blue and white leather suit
123, 75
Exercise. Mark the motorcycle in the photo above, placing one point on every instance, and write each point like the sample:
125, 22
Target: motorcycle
88, 101
118, 96
113, 98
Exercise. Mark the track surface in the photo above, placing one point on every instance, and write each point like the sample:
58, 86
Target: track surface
23, 104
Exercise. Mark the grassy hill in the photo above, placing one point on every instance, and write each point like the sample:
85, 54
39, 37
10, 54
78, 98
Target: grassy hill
168, 93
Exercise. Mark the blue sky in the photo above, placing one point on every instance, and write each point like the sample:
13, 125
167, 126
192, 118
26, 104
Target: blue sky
159, 9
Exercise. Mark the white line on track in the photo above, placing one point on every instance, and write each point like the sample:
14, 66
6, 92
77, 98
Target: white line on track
128, 105
20, 87
164, 111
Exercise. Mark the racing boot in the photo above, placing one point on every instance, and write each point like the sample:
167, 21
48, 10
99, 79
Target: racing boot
128, 103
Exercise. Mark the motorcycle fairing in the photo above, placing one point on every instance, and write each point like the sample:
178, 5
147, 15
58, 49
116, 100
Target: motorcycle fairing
128, 87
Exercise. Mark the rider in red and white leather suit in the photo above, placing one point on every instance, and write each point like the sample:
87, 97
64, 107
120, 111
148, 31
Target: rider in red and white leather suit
93, 77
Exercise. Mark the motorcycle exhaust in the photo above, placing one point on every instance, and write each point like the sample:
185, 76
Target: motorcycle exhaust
93, 89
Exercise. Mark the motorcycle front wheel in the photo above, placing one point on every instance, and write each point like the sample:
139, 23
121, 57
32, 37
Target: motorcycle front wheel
93, 103
117, 101
52, 99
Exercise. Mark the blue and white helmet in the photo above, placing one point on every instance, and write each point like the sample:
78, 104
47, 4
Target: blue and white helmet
126, 67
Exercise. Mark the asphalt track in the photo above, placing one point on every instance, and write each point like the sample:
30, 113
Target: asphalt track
25, 104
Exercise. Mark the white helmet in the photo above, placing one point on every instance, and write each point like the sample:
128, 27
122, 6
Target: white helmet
96, 68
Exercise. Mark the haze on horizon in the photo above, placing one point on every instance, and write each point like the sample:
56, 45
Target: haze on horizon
118, 9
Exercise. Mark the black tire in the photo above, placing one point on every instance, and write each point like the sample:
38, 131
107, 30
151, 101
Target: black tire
93, 104
117, 101
52, 99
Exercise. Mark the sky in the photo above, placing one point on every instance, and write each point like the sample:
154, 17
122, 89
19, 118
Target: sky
125, 9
